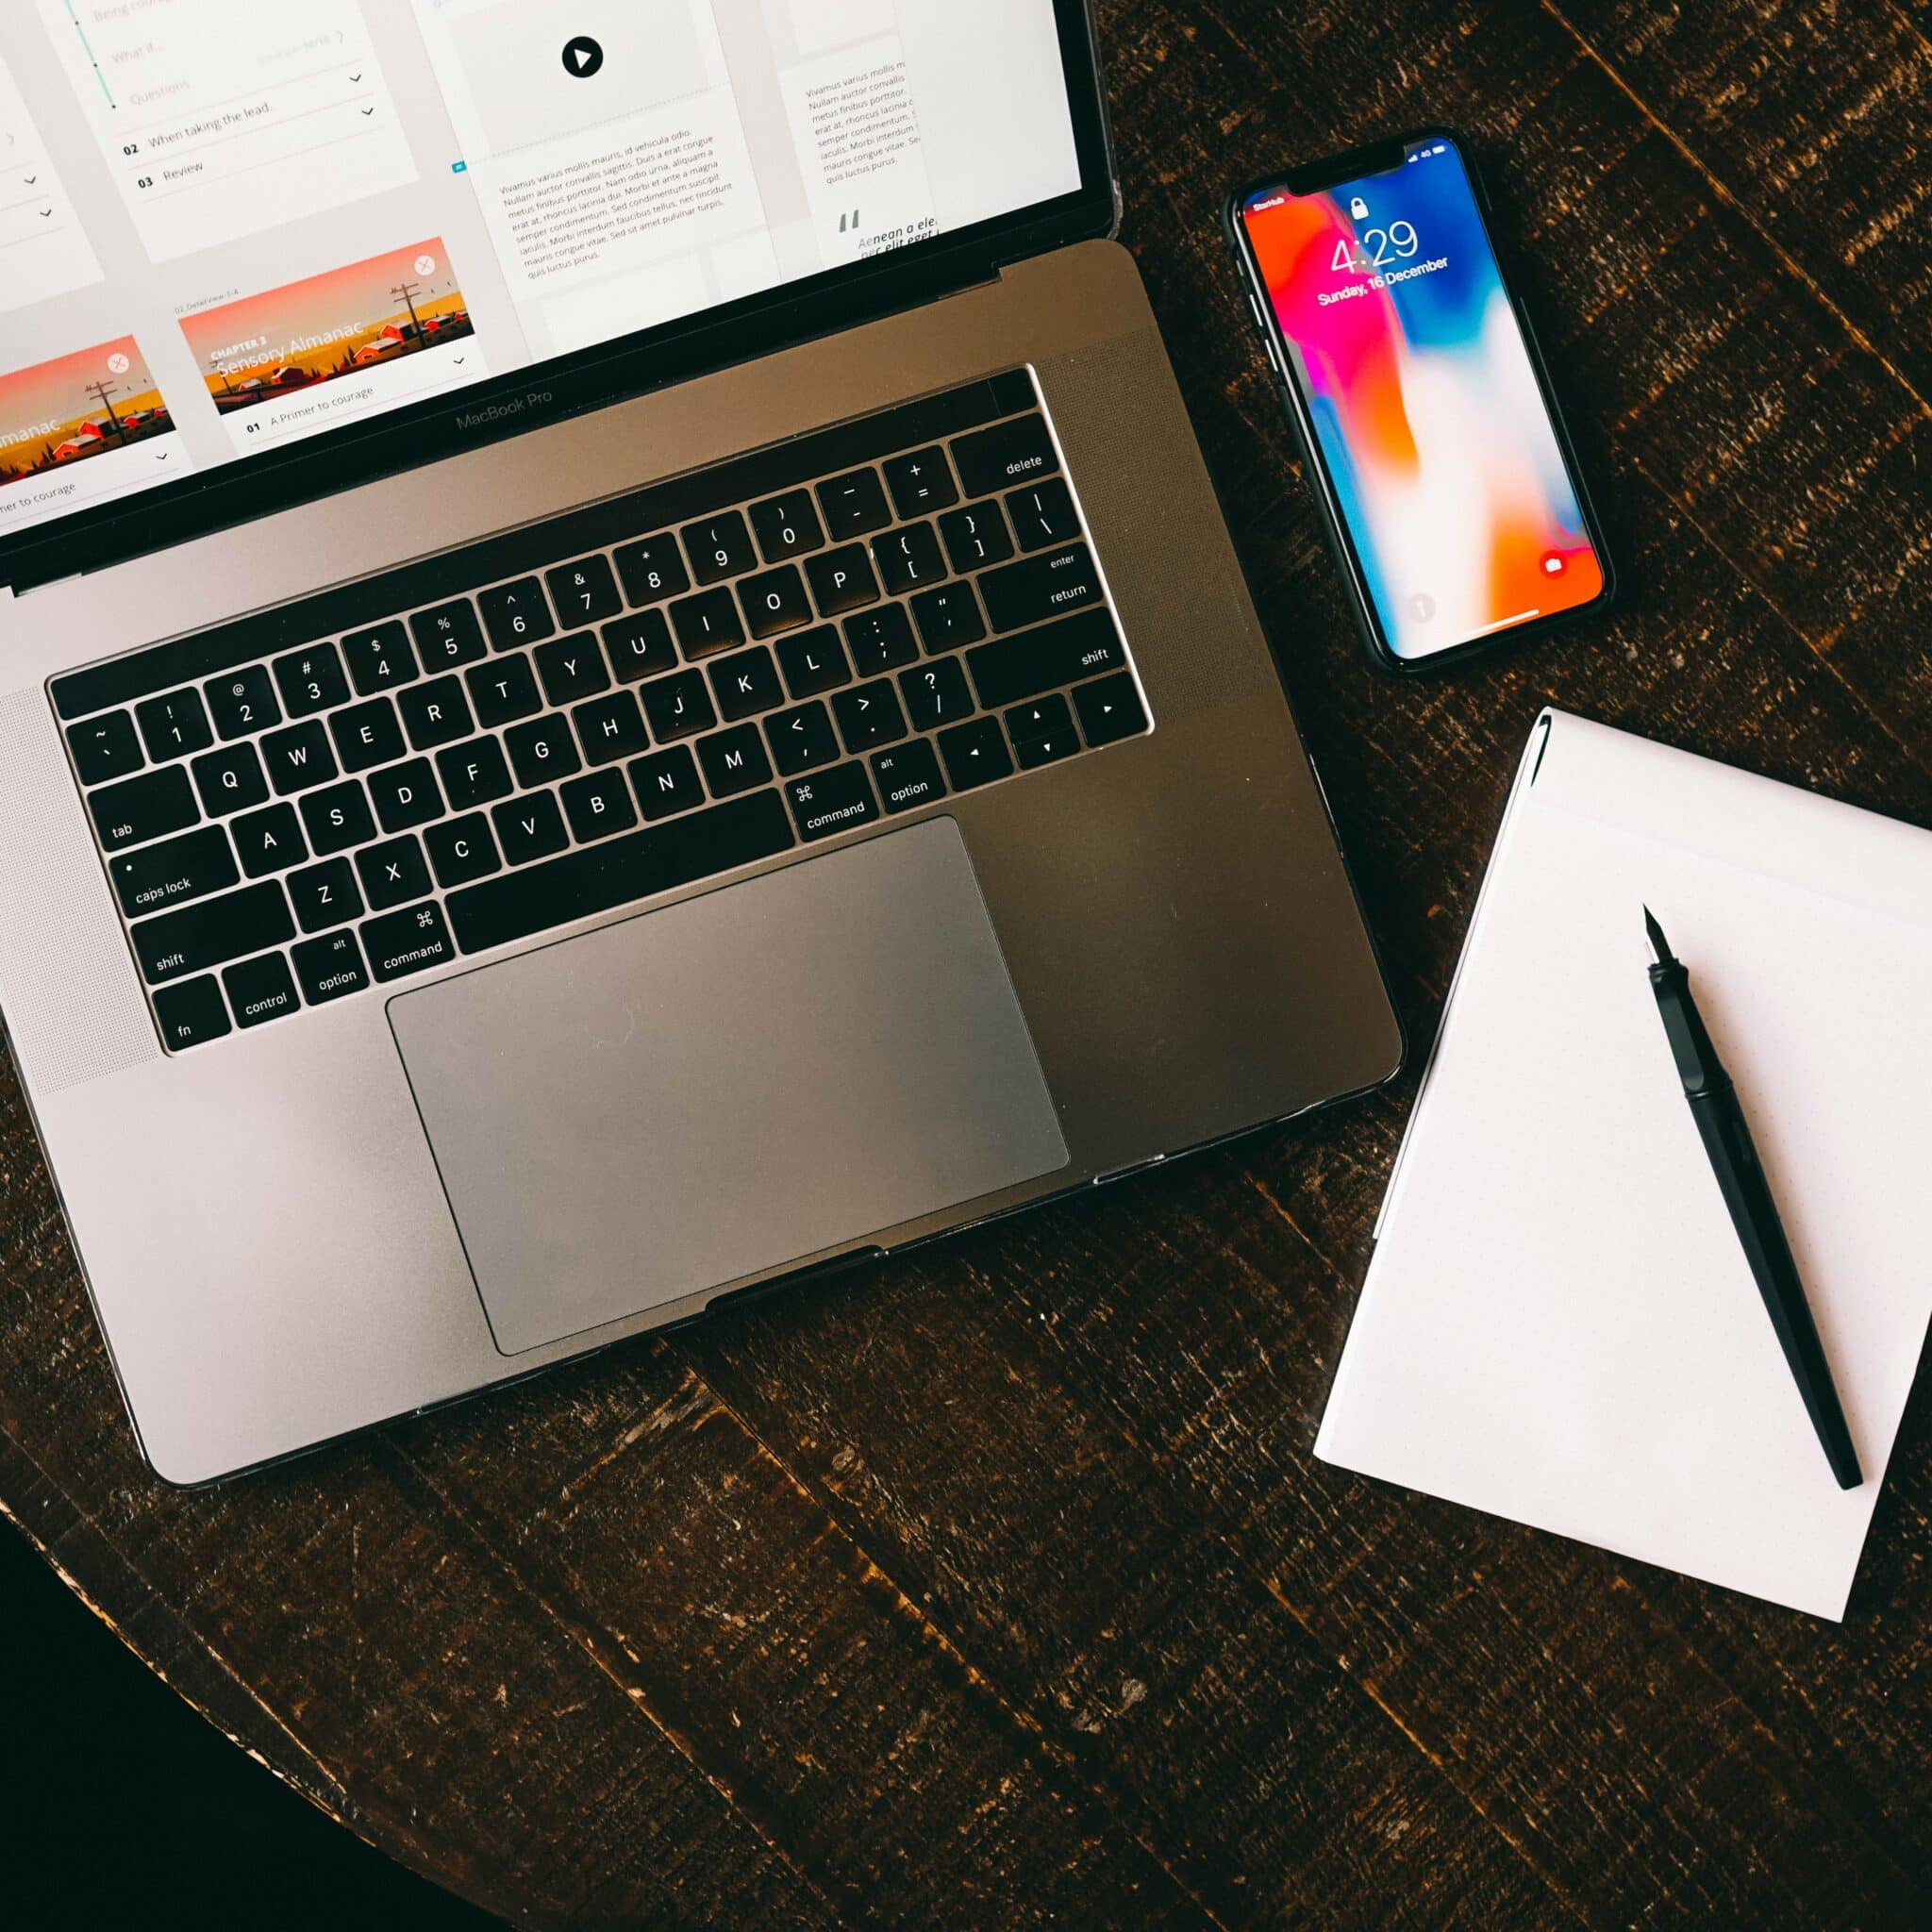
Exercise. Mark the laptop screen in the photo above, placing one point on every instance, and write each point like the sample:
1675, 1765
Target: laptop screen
231, 227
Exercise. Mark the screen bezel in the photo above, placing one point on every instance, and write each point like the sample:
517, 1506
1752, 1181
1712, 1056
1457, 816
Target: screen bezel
1312, 178
629, 366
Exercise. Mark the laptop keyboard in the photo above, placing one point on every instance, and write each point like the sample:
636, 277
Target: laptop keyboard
613, 703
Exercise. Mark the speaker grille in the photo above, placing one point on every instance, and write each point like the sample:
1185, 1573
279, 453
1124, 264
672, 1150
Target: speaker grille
72, 1005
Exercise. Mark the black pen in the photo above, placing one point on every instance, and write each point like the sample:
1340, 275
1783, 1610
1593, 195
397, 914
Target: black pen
1747, 1194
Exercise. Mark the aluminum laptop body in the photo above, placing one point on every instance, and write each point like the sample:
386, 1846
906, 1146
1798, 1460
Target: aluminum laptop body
941, 943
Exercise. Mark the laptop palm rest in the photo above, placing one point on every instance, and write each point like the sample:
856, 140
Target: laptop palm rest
727, 1086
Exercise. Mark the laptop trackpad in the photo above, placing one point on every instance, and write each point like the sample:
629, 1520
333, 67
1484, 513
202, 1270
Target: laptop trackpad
727, 1086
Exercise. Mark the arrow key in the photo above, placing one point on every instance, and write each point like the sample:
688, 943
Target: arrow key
1110, 708
1046, 717
976, 753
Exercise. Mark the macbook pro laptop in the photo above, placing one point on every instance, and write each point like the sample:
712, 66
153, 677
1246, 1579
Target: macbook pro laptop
620, 680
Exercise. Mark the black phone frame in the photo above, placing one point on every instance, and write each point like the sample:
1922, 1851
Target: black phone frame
1376, 158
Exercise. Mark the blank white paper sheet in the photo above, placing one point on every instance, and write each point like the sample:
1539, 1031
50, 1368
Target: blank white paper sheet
1558, 1324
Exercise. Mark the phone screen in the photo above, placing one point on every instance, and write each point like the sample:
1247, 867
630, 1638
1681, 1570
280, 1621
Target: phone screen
1439, 451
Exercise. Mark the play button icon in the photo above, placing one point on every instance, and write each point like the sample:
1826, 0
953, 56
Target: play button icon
582, 57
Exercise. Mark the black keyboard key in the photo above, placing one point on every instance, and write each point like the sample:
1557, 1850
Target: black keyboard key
734, 762
853, 503
1110, 710
269, 841
1034, 752
1038, 587
230, 779
392, 873
242, 702
174, 726
801, 739
447, 636
907, 775
814, 662
191, 938
719, 547
298, 756
310, 680
173, 871
324, 895
541, 750
1042, 513
515, 614
829, 802
366, 734
745, 684
1010, 669
337, 818
774, 601
407, 941
657, 859
330, 968
570, 667
976, 753
104, 748
610, 727
473, 773
528, 829
461, 850
652, 569
1009, 453
438, 713
880, 640
921, 482
841, 580
503, 691
191, 1013
908, 559
869, 715
707, 622
584, 591
948, 616
140, 809
1044, 717
975, 537
666, 782
597, 805
379, 659
936, 694
639, 646
787, 526
676, 707
261, 990
406, 795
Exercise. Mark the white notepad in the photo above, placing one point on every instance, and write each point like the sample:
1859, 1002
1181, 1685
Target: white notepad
1558, 1324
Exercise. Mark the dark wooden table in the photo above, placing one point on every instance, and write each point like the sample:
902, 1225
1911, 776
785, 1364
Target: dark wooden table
998, 1584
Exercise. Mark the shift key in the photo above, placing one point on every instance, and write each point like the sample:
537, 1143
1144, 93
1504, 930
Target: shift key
212, 931
1011, 668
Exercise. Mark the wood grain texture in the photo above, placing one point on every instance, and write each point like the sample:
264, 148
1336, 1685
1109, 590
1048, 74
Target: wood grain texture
997, 1586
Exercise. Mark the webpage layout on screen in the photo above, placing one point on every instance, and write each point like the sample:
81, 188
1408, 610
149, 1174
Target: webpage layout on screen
227, 225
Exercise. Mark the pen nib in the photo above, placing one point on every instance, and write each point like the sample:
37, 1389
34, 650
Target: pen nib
1659, 943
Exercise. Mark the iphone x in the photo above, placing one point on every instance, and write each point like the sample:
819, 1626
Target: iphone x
1448, 484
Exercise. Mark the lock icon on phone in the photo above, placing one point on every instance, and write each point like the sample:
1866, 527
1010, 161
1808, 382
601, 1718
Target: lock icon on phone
1358, 209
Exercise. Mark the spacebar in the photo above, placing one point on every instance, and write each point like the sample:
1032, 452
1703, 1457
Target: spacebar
616, 871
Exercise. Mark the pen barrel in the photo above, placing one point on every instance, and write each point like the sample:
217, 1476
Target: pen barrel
1760, 1232
1698, 1066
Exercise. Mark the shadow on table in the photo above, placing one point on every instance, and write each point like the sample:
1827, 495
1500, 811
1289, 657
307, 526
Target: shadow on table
126, 1807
